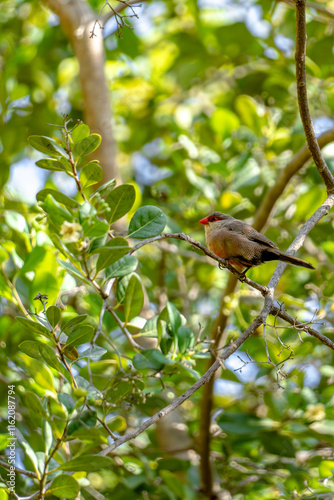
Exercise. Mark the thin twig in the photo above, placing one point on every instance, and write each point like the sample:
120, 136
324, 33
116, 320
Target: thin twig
305, 115
118, 9
222, 262
302, 326
186, 395
123, 328
28, 473
321, 212
115, 12
265, 343
267, 309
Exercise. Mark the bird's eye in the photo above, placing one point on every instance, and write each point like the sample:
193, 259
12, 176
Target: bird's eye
212, 219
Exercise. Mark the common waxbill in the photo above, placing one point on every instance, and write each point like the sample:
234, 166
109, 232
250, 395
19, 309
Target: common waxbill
241, 244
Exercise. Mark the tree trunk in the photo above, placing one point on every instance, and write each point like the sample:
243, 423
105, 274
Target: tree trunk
77, 19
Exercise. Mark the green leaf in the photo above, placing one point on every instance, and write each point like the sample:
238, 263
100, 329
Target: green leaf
67, 401
234, 423
39, 372
4, 256
28, 449
95, 352
87, 145
80, 132
64, 486
31, 348
51, 359
308, 202
120, 202
117, 424
33, 259
51, 164
325, 426
84, 420
94, 227
113, 251
224, 122
33, 326
48, 436
16, 221
134, 298
71, 353
71, 323
60, 197
122, 267
87, 463
80, 336
121, 287
147, 222
62, 248
105, 189
171, 316
119, 391
53, 315
150, 328
33, 403
150, 358
250, 113
185, 338
74, 271
57, 212
90, 174
46, 145
326, 468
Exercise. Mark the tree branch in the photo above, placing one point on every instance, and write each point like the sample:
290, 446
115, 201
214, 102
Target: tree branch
17, 469
222, 262
305, 115
267, 309
300, 238
119, 8
186, 395
297, 162
311, 5
123, 328
262, 217
276, 311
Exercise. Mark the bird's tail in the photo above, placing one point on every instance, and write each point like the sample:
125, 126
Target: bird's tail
294, 260
275, 254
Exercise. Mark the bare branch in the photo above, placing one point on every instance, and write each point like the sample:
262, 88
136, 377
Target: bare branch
300, 238
302, 326
186, 395
223, 263
123, 328
17, 469
305, 115
119, 8
268, 308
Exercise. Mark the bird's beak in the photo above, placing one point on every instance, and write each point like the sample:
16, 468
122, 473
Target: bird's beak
204, 221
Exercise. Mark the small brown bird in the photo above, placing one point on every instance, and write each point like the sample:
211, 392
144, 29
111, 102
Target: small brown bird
241, 244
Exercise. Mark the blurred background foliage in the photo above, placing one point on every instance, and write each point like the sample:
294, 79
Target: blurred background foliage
204, 104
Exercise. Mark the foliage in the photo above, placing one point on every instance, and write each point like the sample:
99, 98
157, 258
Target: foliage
206, 118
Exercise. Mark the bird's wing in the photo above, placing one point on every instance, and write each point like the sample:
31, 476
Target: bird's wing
250, 233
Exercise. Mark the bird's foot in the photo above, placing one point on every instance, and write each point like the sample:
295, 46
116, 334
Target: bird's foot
223, 266
242, 276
